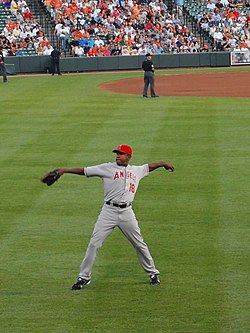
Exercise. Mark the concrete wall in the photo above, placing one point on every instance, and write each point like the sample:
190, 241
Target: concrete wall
40, 64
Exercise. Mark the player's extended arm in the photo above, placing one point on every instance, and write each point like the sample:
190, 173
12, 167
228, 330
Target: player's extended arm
76, 171
168, 166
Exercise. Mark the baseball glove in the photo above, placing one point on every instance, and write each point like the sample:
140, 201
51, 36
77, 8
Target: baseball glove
51, 177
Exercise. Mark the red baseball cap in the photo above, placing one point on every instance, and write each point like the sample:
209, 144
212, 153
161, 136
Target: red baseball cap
126, 149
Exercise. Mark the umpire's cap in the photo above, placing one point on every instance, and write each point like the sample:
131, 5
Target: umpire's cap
123, 148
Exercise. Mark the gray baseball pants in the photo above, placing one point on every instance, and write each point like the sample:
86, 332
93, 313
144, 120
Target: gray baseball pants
149, 80
123, 218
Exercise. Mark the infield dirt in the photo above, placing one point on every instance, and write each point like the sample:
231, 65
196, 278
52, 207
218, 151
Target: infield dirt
231, 84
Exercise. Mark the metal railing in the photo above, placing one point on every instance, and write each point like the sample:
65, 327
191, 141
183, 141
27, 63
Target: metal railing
44, 18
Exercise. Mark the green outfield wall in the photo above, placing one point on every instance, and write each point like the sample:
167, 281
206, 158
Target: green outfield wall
41, 64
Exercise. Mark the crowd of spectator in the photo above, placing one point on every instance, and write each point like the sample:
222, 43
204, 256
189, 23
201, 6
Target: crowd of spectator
125, 27
120, 27
130, 27
22, 34
227, 23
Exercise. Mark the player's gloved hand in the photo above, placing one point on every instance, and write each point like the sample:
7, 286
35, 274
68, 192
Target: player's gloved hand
51, 177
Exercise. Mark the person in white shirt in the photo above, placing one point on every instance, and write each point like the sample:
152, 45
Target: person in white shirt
58, 28
99, 42
153, 4
23, 34
11, 38
210, 5
225, 3
218, 37
78, 51
36, 44
63, 33
16, 31
125, 50
22, 3
47, 50
237, 48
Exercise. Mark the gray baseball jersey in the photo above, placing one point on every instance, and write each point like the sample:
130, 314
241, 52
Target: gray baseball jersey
120, 183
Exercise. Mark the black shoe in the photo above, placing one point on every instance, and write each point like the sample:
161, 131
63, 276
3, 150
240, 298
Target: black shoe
145, 96
155, 96
154, 279
80, 283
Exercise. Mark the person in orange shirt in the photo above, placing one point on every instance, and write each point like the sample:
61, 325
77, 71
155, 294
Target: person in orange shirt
236, 13
44, 42
94, 50
184, 29
227, 12
57, 4
10, 25
130, 41
90, 53
23, 43
73, 7
233, 15
47, 2
84, 32
66, 11
103, 48
77, 34
244, 45
118, 39
87, 10
135, 9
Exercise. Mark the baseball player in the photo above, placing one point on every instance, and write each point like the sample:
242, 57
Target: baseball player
120, 180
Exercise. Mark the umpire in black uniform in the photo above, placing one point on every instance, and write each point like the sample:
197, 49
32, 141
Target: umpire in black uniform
55, 61
2, 66
149, 77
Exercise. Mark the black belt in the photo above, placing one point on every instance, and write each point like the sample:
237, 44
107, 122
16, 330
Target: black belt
118, 205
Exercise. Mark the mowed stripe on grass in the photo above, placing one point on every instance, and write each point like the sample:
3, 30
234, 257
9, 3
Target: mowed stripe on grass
195, 221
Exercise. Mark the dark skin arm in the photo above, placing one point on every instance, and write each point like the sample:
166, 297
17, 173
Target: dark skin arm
166, 165
152, 166
76, 171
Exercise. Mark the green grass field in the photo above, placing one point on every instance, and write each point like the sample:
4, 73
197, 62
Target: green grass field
195, 221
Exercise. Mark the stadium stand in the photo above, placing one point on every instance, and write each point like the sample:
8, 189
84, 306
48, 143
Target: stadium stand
123, 27
19, 31
226, 24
